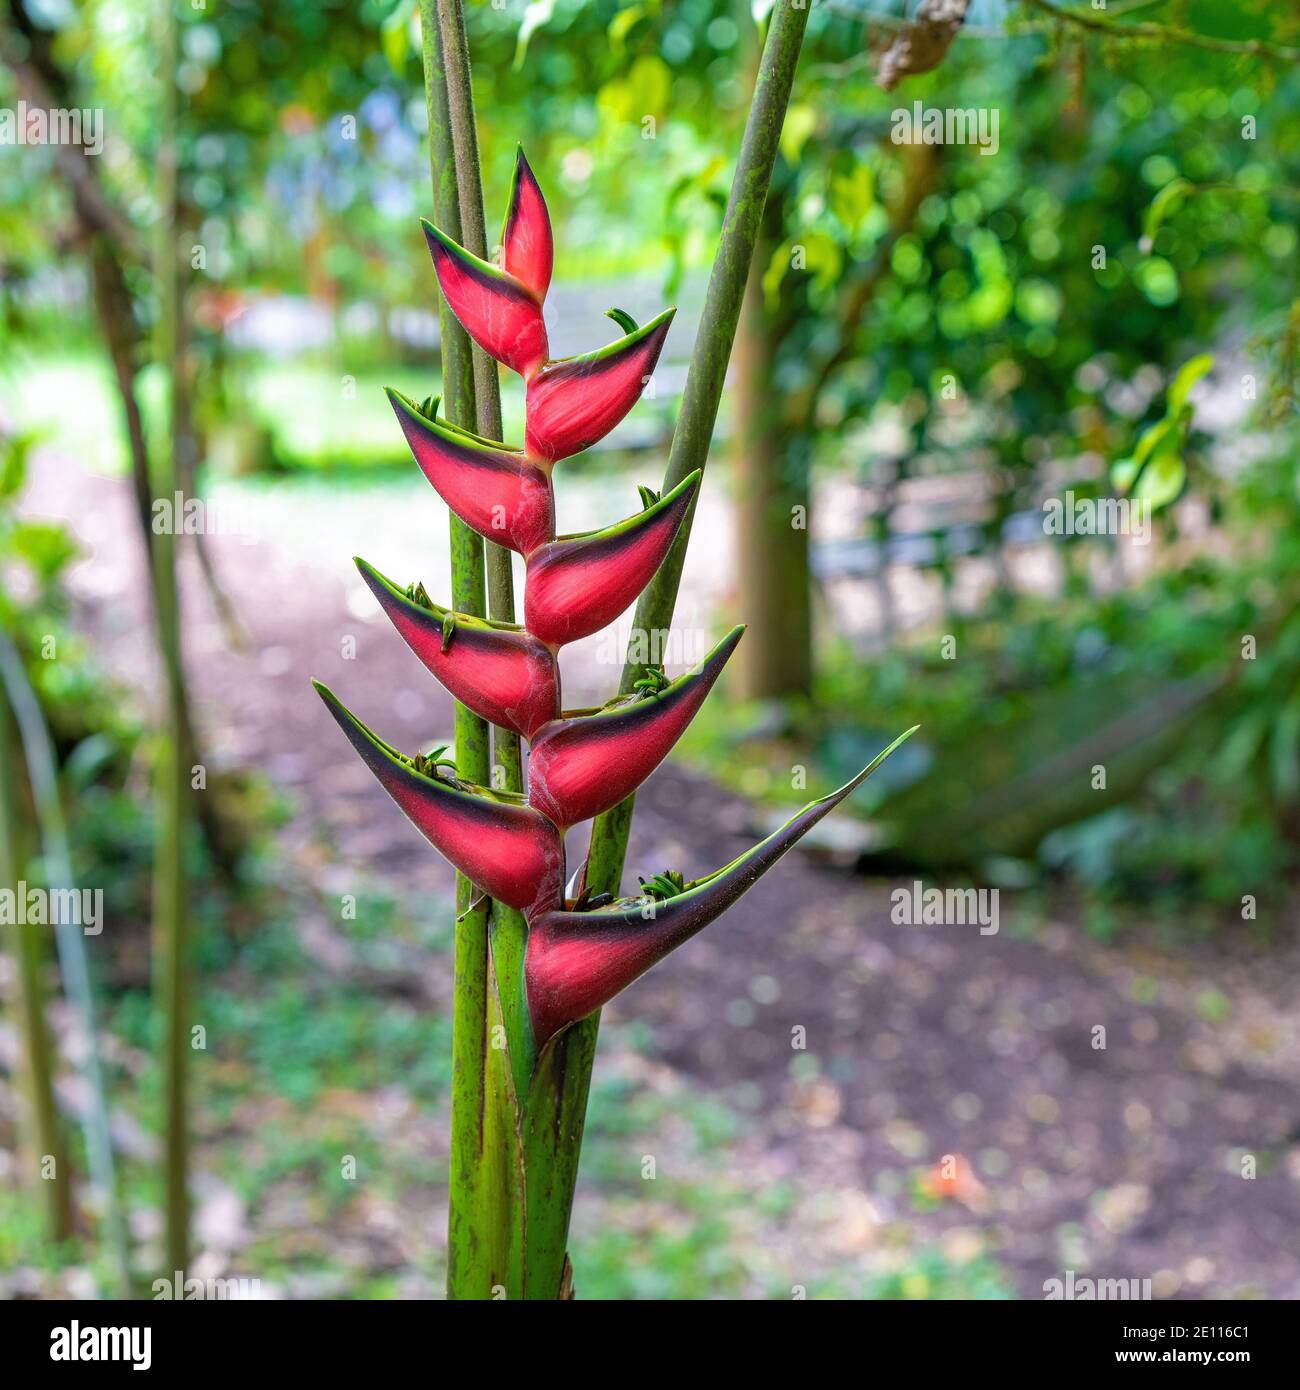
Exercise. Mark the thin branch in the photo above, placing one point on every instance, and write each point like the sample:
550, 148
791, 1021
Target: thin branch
1167, 33
26, 50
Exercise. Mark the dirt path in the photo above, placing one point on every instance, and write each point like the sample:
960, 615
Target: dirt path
1125, 1161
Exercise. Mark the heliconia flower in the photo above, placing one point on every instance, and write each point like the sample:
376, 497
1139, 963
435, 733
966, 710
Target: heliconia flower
527, 249
581, 765
577, 961
500, 492
576, 401
501, 672
501, 314
504, 847
578, 584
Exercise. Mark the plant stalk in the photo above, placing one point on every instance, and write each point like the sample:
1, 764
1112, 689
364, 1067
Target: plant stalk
470, 1264
42, 774
45, 1130
171, 794
557, 1100
509, 933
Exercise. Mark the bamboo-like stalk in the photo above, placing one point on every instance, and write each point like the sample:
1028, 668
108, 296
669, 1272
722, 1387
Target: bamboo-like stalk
556, 1103
38, 753
469, 1270
46, 1133
512, 1145
171, 790
509, 933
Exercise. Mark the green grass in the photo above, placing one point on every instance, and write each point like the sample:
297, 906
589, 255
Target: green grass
319, 417
70, 399
324, 418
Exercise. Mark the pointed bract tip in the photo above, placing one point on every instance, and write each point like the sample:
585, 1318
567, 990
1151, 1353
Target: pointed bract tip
497, 309
578, 960
841, 792
370, 574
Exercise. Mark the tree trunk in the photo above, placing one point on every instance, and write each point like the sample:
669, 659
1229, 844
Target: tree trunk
111, 245
772, 504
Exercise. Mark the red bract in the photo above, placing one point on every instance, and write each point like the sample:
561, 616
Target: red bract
582, 765
576, 962
502, 493
527, 251
571, 403
578, 400
499, 312
511, 852
504, 674
578, 584
578, 955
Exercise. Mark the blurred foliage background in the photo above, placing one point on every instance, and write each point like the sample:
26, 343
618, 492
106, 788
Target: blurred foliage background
937, 341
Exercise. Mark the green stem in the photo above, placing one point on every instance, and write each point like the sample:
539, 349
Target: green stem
55, 1193
171, 788
42, 775
470, 1272
509, 933
557, 1099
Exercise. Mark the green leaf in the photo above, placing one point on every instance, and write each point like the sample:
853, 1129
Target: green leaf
644, 91
853, 196
823, 258
395, 35
1161, 206
800, 122
774, 274
536, 16
1151, 438
1122, 473
621, 25
45, 546
1186, 377
1164, 477
13, 462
